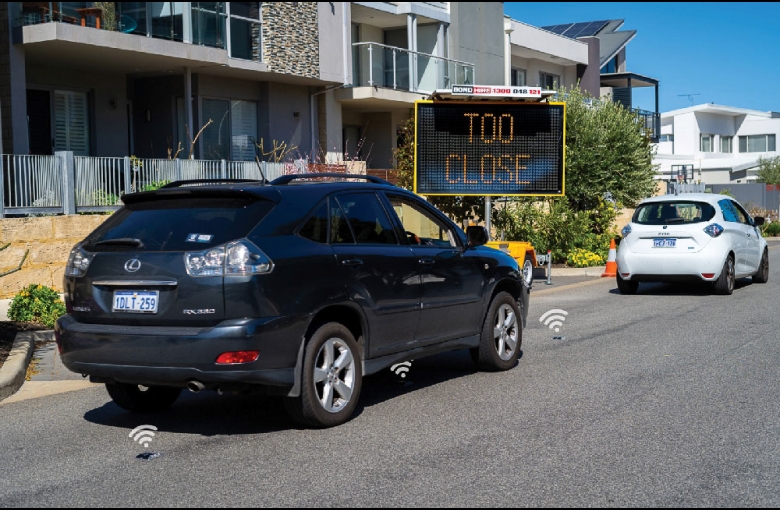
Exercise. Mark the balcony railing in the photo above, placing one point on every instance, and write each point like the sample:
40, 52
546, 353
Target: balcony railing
379, 65
197, 23
651, 122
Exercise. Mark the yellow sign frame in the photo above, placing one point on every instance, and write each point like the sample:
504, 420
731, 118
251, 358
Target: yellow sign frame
530, 104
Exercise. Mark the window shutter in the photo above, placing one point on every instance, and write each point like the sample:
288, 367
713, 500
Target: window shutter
71, 126
244, 130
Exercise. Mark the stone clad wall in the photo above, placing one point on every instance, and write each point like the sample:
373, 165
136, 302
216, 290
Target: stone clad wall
291, 38
47, 242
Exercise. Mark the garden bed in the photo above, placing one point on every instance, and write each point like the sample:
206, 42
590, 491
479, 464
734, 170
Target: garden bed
8, 331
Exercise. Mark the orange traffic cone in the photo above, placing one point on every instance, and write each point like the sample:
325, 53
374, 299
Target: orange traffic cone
611, 269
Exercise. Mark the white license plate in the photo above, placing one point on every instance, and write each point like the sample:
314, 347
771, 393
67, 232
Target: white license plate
664, 243
136, 301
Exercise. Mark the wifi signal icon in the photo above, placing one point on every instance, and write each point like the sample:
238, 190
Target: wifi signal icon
143, 434
401, 368
554, 318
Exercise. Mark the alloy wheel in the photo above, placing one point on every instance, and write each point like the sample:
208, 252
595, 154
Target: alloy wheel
505, 332
334, 375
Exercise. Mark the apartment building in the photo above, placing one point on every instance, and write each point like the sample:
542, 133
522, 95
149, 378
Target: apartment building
329, 80
715, 144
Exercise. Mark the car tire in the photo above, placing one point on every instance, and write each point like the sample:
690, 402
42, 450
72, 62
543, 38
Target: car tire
528, 270
626, 286
724, 285
331, 379
501, 337
142, 399
762, 275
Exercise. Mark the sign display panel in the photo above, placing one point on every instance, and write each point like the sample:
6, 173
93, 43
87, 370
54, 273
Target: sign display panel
489, 148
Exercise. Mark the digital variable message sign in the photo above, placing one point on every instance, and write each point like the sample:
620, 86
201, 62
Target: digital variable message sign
489, 148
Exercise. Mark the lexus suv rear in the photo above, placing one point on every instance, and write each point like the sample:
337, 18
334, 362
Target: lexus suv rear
298, 289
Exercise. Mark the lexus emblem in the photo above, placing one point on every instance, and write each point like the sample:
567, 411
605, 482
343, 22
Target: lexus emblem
132, 265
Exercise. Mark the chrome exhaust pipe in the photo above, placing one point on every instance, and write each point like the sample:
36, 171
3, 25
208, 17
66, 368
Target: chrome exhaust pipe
195, 386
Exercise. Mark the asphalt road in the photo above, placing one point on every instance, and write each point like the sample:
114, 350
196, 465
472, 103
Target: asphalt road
664, 398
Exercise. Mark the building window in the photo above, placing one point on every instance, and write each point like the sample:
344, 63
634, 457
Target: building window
58, 120
725, 144
666, 138
245, 30
706, 143
208, 24
611, 66
549, 81
233, 131
757, 143
518, 77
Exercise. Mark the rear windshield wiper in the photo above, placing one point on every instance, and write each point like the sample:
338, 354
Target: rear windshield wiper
674, 220
121, 241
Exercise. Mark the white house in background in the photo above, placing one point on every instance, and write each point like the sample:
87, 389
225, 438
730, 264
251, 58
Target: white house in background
716, 144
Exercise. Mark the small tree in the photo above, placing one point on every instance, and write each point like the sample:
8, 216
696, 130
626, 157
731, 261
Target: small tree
769, 170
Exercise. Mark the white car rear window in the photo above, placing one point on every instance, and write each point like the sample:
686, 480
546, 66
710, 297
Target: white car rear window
678, 212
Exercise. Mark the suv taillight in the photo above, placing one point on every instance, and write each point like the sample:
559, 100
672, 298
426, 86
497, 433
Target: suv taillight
239, 258
78, 262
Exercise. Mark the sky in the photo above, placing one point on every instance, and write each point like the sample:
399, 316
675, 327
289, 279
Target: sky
722, 53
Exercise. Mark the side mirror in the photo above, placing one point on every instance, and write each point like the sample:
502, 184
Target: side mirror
477, 236
758, 220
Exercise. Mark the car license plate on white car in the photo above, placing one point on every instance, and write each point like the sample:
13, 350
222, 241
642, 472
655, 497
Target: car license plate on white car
664, 243
136, 301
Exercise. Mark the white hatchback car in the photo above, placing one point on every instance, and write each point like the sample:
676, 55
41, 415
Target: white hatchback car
691, 237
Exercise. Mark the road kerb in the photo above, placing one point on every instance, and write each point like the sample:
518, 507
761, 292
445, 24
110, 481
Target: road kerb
13, 371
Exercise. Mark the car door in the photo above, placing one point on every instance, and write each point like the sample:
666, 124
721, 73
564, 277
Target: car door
736, 233
452, 283
381, 274
752, 250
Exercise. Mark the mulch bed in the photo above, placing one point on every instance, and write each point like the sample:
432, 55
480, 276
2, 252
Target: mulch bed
8, 331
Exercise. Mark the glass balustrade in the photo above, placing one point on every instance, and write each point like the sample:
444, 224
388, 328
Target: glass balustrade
379, 65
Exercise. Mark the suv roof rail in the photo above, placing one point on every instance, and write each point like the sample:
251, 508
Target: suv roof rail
179, 184
286, 179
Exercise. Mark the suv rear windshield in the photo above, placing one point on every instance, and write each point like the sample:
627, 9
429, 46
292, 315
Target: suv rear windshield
182, 224
677, 212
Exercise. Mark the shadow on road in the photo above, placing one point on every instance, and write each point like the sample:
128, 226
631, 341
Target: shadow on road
681, 289
211, 414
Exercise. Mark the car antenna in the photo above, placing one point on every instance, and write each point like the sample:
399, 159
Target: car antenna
260, 167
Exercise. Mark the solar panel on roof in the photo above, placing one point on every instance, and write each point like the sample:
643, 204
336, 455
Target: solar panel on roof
575, 30
557, 29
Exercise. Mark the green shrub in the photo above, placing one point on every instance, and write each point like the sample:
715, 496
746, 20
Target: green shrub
155, 185
583, 258
773, 229
101, 197
37, 303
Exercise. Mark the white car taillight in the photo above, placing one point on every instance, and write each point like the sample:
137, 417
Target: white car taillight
78, 262
626, 230
713, 230
238, 258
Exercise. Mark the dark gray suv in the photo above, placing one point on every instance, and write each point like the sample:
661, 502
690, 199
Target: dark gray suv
297, 288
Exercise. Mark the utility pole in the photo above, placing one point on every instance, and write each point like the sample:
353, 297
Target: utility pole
689, 96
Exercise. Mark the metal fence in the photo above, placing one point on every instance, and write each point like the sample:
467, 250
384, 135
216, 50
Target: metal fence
68, 184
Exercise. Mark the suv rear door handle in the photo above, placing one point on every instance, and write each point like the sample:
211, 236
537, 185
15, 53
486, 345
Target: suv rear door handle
352, 262
426, 261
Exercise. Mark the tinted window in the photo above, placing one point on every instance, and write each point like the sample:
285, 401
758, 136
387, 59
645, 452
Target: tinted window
742, 215
339, 228
316, 227
678, 212
420, 225
367, 218
181, 224
729, 211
